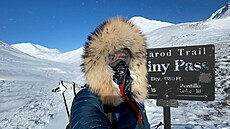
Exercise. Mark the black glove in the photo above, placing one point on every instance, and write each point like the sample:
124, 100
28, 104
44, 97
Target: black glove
122, 76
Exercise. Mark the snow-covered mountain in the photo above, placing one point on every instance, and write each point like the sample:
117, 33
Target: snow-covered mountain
2, 43
50, 54
13, 51
37, 50
26, 82
196, 33
222, 12
147, 25
72, 57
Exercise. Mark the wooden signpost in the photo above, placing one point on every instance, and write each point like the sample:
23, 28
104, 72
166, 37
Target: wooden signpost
180, 73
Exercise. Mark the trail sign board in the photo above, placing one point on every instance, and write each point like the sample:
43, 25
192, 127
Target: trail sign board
181, 73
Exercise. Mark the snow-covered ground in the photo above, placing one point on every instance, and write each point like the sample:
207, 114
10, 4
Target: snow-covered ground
26, 80
25, 89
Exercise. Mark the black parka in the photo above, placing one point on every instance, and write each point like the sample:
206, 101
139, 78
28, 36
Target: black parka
87, 112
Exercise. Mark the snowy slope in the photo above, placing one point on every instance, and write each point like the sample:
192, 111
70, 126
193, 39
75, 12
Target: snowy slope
25, 89
195, 114
72, 57
37, 50
204, 32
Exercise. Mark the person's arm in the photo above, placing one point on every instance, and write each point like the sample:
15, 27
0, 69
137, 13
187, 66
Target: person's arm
87, 112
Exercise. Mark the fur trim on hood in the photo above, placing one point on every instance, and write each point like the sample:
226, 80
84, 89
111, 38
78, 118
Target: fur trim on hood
115, 34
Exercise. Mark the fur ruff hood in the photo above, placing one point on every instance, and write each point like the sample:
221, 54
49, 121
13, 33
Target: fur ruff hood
115, 34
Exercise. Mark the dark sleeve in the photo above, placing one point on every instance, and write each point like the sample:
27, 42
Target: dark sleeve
144, 116
87, 112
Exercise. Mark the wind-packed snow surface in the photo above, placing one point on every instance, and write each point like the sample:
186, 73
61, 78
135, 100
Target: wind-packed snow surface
26, 81
25, 89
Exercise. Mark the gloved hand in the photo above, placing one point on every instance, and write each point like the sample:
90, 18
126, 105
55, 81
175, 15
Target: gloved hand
122, 77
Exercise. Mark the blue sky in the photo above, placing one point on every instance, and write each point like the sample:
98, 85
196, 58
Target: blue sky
66, 24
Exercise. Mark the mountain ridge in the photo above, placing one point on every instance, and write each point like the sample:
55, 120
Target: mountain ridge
222, 12
37, 50
147, 25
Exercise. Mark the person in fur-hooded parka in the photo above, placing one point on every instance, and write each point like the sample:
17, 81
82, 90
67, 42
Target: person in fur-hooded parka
115, 34
101, 104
